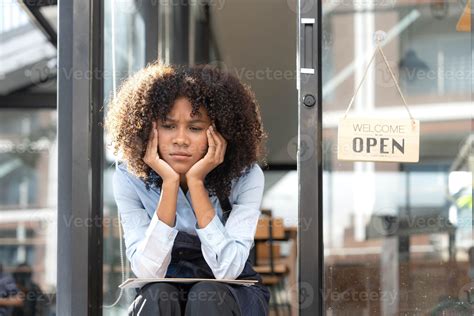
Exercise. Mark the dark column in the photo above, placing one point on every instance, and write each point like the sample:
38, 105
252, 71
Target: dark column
80, 138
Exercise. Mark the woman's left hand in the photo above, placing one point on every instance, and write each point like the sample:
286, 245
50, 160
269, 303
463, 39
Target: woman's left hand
214, 156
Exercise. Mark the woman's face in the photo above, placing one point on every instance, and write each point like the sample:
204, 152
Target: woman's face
182, 139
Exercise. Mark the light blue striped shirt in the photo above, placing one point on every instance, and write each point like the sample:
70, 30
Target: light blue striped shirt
149, 241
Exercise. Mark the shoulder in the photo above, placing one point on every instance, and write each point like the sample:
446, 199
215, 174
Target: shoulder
123, 180
126, 179
121, 173
252, 177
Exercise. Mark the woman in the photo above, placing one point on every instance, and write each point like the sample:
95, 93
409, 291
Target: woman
188, 188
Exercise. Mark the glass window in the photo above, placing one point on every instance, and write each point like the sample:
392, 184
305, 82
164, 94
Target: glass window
28, 201
397, 237
124, 43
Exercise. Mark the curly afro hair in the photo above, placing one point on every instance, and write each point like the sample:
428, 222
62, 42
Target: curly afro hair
149, 95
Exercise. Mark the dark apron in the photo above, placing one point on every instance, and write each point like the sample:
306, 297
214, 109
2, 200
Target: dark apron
187, 261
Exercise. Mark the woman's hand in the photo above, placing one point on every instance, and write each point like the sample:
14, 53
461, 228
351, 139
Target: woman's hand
214, 156
153, 160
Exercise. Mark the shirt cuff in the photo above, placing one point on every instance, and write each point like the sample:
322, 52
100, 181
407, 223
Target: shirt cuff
160, 231
213, 234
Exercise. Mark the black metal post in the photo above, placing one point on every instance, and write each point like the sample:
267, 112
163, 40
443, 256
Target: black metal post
310, 168
80, 97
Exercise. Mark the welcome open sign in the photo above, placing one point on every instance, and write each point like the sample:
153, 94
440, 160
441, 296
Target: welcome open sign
368, 139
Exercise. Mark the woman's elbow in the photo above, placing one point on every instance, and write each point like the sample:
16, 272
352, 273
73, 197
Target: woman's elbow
229, 270
146, 271
140, 272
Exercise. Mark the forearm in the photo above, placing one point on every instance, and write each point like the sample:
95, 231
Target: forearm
166, 209
153, 254
201, 204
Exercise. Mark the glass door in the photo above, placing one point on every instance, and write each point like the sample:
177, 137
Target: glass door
390, 237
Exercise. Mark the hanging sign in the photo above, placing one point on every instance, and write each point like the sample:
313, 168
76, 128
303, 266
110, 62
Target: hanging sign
369, 139
464, 22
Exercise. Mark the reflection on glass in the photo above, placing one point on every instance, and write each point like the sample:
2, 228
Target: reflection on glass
123, 55
28, 220
398, 238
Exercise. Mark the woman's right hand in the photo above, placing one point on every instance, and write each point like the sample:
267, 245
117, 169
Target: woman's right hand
153, 160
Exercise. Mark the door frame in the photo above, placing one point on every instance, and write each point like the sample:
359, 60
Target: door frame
80, 160
309, 159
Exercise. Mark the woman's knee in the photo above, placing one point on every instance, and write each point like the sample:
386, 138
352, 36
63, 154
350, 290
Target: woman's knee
160, 292
157, 299
210, 296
